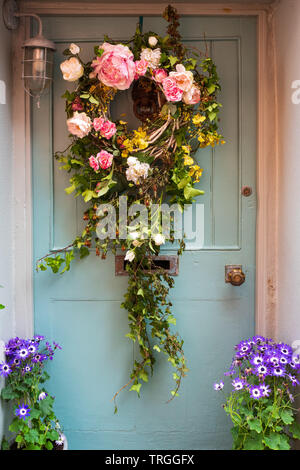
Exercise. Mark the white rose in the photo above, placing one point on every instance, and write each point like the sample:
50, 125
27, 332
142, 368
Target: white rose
133, 235
159, 239
129, 256
136, 170
80, 124
72, 69
152, 41
74, 49
152, 57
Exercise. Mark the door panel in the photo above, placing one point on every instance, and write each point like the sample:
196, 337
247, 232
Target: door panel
81, 309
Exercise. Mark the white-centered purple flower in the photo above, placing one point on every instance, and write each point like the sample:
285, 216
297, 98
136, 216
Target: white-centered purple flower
294, 380
255, 392
219, 386
23, 411
278, 372
261, 370
42, 396
265, 390
285, 349
23, 353
5, 369
238, 384
257, 360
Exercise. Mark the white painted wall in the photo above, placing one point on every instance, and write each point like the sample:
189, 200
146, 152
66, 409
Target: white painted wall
6, 244
287, 34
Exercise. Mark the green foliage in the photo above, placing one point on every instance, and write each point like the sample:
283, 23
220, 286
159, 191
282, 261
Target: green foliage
267, 423
41, 428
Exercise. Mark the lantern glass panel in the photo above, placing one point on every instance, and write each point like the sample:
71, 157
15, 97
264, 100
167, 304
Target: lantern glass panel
37, 69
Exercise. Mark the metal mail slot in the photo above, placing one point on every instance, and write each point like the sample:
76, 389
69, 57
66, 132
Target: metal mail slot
168, 263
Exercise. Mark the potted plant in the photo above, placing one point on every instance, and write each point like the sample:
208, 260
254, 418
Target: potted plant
264, 375
34, 426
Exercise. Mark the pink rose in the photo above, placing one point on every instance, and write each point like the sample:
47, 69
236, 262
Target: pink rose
141, 67
80, 124
97, 123
108, 129
192, 96
184, 79
105, 159
94, 163
171, 90
115, 68
159, 75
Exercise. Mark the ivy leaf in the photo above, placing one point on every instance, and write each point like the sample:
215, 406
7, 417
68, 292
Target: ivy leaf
1, 307
171, 320
136, 388
190, 192
143, 375
140, 292
172, 60
183, 182
156, 348
70, 189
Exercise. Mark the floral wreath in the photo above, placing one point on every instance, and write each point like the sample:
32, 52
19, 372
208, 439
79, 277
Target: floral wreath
176, 101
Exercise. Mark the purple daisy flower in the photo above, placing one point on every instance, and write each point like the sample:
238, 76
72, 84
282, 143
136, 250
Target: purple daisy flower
5, 369
22, 353
294, 380
273, 360
23, 411
278, 372
238, 384
219, 386
257, 360
56, 345
42, 396
258, 339
32, 348
283, 360
16, 362
285, 349
39, 358
261, 370
255, 392
38, 338
27, 369
265, 390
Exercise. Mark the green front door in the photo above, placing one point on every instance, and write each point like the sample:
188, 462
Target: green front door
81, 309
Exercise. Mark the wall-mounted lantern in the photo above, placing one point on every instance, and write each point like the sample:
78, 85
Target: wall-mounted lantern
38, 51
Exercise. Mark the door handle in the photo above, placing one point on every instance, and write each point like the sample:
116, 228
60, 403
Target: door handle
234, 275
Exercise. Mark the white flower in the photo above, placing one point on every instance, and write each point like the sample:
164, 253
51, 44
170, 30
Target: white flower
80, 124
136, 170
130, 255
133, 235
72, 69
152, 41
151, 56
42, 396
74, 49
159, 239
136, 243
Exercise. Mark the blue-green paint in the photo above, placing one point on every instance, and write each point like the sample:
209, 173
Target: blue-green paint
81, 309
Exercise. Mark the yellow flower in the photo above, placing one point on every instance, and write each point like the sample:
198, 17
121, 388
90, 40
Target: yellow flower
125, 153
198, 119
186, 149
188, 160
123, 123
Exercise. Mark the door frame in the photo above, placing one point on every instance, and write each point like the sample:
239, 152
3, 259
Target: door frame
267, 152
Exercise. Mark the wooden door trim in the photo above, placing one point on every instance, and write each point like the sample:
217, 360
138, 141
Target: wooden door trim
267, 154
